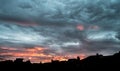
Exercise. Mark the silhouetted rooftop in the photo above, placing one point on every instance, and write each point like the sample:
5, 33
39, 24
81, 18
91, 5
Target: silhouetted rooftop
91, 63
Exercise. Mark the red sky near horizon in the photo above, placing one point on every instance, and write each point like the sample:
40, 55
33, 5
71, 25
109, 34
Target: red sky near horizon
35, 55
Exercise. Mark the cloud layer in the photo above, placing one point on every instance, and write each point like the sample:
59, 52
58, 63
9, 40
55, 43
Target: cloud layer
61, 27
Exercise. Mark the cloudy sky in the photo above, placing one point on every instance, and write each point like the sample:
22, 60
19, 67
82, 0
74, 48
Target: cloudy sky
41, 30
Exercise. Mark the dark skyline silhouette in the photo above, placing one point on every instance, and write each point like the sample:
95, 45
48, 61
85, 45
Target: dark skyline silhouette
94, 62
63, 34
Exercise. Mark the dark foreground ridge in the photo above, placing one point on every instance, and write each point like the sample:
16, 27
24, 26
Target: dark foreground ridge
95, 62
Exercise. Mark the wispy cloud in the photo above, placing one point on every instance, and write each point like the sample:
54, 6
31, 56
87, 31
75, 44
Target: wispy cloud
61, 27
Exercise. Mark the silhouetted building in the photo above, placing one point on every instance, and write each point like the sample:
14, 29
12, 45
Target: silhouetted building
55, 61
92, 63
74, 60
19, 60
28, 62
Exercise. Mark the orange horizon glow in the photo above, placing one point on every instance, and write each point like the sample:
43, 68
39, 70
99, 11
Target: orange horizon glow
36, 54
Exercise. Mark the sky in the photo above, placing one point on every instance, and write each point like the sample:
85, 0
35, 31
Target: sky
41, 30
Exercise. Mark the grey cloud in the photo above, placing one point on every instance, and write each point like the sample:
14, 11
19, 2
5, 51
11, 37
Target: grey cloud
56, 25
63, 11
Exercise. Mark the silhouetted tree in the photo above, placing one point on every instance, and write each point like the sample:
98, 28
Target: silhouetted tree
78, 58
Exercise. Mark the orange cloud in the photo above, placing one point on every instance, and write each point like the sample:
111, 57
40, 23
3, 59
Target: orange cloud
8, 48
35, 54
35, 49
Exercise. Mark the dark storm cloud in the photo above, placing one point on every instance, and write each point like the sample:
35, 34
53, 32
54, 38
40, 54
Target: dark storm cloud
74, 26
62, 12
